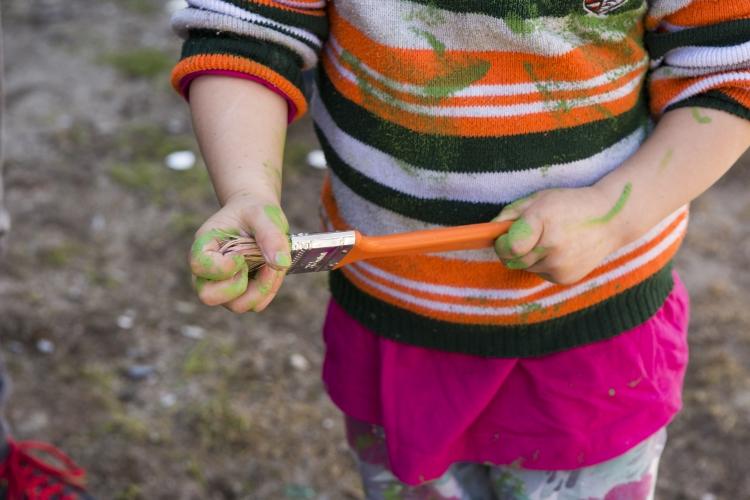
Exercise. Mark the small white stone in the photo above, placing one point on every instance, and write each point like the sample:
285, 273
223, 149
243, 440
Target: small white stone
45, 346
328, 423
299, 362
98, 223
125, 321
180, 160
316, 159
708, 496
168, 400
192, 332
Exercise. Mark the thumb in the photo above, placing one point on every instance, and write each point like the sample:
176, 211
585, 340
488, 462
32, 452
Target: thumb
514, 210
271, 232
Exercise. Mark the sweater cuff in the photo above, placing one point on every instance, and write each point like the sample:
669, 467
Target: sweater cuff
192, 67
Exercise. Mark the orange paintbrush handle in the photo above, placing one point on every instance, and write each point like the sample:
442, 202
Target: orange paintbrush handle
447, 239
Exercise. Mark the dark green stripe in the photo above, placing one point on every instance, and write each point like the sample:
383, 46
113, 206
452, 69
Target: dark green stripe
277, 57
447, 153
314, 24
504, 8
715, 35
599, 322
715, 100
443, 212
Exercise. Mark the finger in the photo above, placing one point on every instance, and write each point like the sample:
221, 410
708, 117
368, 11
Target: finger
521, 237
207, 262
514, 210
278, 280
261, 289
213, 293
536, 255
271, 232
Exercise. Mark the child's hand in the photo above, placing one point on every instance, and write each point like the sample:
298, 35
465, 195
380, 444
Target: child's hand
223, 279
562, 234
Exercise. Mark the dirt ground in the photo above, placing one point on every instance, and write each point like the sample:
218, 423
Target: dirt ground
114, 359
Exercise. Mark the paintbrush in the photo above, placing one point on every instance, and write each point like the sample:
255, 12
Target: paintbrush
328, 251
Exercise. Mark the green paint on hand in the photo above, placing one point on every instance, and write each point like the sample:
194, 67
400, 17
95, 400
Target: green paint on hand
618, 206
539, 250
283, 259
210, 269
516, 264
698, 117
503, 246
519, 230
238, 286
666, 159
276, 216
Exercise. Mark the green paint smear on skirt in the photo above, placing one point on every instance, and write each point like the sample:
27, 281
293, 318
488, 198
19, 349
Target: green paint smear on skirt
698, 117
618, 206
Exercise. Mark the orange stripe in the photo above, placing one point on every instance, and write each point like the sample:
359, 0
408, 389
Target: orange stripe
740, 95
420, 66
664, 90
542, 93
472, 278
450, 272
480, 126
705, 12
533, 316
277, 5
235, 63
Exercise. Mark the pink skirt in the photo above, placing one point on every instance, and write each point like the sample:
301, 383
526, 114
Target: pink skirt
556, 412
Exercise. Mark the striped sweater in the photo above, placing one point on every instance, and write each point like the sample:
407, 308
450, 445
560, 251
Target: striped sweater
441, 112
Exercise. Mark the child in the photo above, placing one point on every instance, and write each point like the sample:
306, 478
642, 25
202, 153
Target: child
554, 373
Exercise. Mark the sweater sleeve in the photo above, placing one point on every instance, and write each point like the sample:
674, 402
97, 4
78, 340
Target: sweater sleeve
269, 41
700, 52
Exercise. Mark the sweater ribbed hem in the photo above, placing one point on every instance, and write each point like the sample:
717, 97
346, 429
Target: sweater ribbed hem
599, 322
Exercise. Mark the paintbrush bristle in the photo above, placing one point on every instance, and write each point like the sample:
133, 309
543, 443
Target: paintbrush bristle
246, 246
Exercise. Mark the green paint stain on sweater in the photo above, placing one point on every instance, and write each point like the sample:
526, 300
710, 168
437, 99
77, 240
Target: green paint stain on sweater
457, 79
618, 206
698, 117
437, 46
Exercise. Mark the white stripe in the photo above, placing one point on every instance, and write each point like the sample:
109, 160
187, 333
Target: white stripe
303, 5
477, 187
497, 111
545, 302
512, 293
709, 83
465, 31
709, 57
662, 8
334, 50
221, 7
187, 19
674, 72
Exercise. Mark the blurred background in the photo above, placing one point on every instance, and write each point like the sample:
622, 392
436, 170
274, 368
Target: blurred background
113, 358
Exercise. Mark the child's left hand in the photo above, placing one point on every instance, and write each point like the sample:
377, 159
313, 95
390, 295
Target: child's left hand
562, 234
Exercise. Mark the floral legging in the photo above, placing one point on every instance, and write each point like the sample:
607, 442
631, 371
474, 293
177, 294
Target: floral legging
631, 476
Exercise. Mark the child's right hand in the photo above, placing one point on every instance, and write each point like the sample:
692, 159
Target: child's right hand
223, 279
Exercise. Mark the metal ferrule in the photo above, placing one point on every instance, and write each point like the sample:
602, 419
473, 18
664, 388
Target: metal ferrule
319, 252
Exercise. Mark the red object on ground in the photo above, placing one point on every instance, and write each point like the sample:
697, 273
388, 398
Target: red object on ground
25, 476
